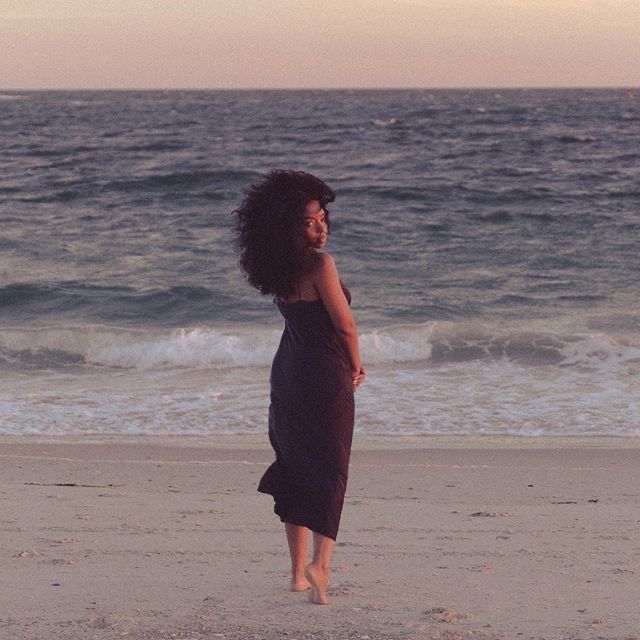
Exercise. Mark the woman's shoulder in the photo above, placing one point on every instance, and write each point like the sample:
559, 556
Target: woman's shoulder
325, 271
323, 262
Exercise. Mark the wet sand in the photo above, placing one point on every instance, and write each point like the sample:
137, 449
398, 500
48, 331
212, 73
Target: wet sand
513, 538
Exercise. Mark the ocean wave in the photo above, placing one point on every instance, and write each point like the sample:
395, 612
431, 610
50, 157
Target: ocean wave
163, 180
500, 196
385, 122
178, 304
181, 179
159, 145
39, 151
85, 103
392, 193
574, 300
122, 348
9, 190
427, 344
496, 217
571, 139
539, 217
66, 195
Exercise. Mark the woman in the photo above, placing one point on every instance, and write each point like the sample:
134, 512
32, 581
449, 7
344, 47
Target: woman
283, 224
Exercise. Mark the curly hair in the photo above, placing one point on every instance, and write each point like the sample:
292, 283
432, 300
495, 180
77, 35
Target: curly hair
270, 225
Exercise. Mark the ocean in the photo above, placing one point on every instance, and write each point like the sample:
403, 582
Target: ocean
489, 239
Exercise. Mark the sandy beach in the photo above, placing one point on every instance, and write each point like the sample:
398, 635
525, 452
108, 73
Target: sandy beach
441, 538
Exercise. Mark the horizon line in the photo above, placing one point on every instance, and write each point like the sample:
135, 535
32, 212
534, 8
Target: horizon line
337, 88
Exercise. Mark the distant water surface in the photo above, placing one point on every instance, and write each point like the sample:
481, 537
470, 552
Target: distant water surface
489, 239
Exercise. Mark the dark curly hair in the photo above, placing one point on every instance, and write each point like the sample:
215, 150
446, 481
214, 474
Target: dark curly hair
269, 224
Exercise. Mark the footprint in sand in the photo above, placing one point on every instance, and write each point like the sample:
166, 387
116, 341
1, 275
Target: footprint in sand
441, 614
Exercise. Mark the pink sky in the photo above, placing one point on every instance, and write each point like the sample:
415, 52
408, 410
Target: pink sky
95, 44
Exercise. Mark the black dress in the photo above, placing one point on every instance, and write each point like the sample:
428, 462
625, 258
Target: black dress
310, 419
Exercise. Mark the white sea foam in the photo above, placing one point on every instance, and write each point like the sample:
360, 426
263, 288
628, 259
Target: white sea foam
85, 103
430, 344
432, 378
385, 122
196, 348
402, 344
467, 398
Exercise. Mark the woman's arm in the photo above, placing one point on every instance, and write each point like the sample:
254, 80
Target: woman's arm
327, 283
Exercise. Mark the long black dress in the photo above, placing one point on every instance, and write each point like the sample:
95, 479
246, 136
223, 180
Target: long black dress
310, 419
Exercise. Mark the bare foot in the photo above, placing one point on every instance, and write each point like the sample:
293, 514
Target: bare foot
319, 580
299, 583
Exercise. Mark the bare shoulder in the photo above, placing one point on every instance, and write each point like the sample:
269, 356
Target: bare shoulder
324, 262
324, 269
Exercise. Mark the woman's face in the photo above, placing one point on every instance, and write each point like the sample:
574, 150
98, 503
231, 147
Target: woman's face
315, 225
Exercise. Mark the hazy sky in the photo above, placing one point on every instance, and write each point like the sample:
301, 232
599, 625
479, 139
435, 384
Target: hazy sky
318, 43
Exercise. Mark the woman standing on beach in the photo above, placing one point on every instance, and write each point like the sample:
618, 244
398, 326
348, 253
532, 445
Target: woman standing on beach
282, 225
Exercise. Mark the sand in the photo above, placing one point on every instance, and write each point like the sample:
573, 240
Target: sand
444, 538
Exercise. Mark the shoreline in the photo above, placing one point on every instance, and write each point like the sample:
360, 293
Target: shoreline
360, 441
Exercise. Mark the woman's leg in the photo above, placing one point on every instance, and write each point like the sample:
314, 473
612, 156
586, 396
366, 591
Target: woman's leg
318, 571
297, 540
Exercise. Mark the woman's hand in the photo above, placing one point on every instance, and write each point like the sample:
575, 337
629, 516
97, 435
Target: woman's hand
358, 378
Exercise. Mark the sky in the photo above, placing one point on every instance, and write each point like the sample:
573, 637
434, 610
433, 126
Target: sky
241, 44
